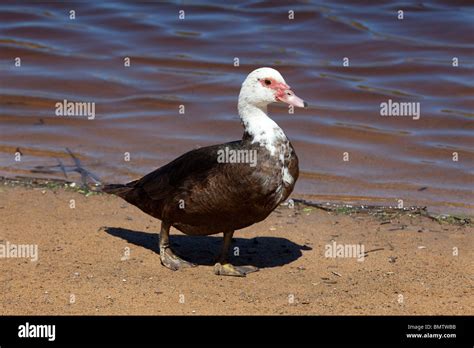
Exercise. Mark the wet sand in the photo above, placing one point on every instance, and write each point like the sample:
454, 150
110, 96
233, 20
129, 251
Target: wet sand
408, 268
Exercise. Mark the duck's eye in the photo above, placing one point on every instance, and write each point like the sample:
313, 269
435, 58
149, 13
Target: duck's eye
268, 82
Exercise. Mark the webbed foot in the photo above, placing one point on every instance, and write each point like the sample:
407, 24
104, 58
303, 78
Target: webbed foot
228, 269
173, 262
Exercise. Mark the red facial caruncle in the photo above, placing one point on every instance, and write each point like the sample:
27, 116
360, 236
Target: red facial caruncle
278, 87
283, 92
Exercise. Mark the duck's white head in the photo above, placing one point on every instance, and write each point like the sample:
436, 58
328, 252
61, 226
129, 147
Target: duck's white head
264, 86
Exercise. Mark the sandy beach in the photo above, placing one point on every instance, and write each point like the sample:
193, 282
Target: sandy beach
99, 255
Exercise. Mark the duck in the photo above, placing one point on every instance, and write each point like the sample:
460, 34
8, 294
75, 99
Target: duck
227, 187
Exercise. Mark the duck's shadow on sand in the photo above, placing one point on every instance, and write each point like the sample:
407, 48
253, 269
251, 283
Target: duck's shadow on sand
261, 252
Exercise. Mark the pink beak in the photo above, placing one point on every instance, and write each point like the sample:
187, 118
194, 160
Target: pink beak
289, 97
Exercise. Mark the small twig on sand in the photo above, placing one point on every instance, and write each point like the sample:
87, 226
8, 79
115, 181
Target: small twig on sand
373, 250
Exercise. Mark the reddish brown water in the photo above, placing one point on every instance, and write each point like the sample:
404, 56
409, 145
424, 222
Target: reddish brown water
191, 62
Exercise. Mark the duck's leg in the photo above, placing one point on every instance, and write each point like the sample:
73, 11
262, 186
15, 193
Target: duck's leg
223, 267
167, 256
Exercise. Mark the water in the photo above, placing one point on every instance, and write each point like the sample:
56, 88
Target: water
191, 62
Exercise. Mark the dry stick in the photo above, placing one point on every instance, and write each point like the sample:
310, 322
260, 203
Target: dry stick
81, 170
371, 251
376, 208
431, 216
62, 167
78, 168
312, 204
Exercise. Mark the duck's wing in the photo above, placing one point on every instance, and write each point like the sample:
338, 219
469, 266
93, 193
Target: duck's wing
199, 169
197, 185
184, 173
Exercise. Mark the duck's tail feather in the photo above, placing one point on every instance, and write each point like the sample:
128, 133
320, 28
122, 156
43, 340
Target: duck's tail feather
118, 189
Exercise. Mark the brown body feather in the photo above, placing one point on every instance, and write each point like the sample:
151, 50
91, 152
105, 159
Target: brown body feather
199, 196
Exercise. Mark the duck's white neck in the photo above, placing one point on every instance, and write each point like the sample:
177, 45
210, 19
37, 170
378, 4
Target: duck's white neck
261, 128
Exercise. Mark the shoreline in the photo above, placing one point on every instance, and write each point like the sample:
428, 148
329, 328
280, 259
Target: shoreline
341, 208
101, 258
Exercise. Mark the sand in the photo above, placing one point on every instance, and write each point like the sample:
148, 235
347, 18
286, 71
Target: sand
101, 257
